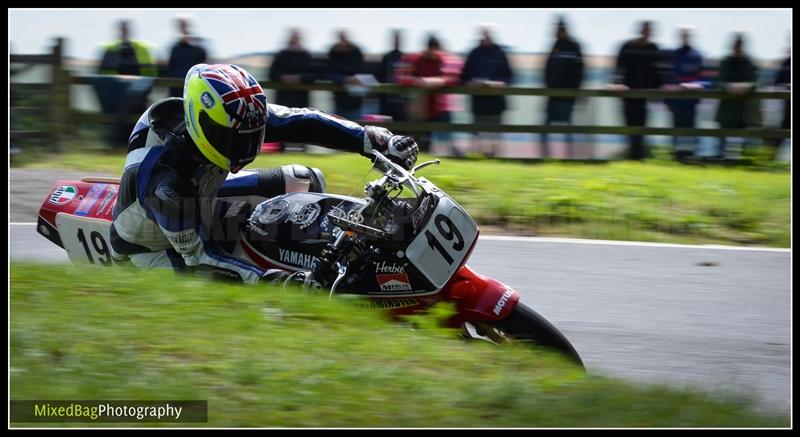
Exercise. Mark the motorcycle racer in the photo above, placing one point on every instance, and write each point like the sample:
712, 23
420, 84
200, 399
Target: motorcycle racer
185, 152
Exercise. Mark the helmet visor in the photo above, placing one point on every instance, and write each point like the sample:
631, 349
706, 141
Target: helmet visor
240, 146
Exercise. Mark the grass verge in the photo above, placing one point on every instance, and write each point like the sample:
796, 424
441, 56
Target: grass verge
650, 201
272, 358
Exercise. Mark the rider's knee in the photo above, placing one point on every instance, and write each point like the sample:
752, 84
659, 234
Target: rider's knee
275, 181
299, 178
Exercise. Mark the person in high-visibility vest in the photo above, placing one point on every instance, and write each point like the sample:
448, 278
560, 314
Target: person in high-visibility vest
125, 96
128, 56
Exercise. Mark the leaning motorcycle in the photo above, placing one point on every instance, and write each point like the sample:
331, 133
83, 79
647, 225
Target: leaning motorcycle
403, 245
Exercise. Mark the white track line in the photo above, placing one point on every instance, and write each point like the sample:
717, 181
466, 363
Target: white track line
606, 242
625, 243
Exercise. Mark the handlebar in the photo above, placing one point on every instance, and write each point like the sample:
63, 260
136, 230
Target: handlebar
405, 175
331, 266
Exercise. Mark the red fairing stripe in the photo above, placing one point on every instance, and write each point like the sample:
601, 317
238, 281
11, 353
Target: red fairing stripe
256, 257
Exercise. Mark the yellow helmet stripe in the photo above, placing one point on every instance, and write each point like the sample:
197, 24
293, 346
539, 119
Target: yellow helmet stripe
212, 154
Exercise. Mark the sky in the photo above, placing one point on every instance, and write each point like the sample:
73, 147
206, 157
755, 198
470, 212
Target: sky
237, 31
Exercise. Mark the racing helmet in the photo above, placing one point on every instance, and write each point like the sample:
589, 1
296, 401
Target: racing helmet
226, 114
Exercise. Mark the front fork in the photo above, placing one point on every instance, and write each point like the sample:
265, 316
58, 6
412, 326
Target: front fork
328, 270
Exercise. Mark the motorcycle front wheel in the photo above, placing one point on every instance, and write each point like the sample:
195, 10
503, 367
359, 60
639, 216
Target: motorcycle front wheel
525, 325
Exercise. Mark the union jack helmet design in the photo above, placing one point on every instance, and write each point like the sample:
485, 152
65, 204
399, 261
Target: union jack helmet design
226, 114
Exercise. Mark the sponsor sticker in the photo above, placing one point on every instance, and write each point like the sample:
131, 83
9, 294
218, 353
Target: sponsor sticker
91, 198
303, 260
385, 304
207, 100
254, 117
325, 224
352, 215
383, 267
416, 218
63, 195
112, 190
501, 303
253, 226
167, 194
306, 215
394, 282
183, 241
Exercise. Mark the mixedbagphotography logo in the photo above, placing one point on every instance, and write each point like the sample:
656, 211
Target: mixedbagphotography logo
119, 411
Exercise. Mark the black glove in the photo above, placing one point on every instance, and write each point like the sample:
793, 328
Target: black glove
400, 149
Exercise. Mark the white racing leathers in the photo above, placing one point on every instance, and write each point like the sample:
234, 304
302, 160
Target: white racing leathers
163, 214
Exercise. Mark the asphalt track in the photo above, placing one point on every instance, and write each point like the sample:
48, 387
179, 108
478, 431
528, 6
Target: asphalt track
713, 318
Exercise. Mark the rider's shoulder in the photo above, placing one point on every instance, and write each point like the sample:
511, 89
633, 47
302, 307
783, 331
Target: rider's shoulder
166, 116
166, 108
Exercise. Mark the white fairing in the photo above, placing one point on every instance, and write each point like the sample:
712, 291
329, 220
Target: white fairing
85, 239
454, 231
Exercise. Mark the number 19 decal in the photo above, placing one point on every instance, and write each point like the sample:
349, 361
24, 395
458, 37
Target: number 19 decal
100, 247
86, 239
442, 245
448, 230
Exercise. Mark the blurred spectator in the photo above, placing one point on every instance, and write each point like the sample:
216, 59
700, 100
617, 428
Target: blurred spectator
128, 56
638, 67
13, 100
432, 68
292, 65
185, 54
737, 75
564, 69
784, 80
124, 96
685, 74
392, 105
345, 61
487, 66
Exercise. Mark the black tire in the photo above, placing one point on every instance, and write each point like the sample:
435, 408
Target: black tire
526, 325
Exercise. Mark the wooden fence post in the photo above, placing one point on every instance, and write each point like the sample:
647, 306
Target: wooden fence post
61, 100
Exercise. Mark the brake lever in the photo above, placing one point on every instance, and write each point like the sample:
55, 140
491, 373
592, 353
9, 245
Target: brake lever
423, 165
342, 271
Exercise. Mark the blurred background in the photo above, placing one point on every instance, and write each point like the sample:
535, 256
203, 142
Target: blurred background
500, 66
